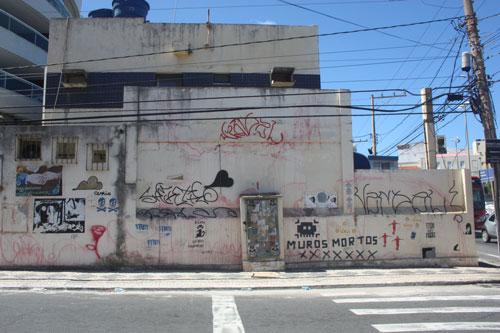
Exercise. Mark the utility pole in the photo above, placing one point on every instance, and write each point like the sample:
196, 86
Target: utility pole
467, 138
485, 109
374, 135
429, 131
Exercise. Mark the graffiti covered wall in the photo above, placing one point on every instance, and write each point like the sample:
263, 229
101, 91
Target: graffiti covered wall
195, 171
402, 218
168, 193
50, 207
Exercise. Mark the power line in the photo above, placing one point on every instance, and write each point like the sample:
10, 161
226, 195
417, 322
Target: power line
225, 110
349, 22
353, 2
228, 61
277, 94
101, 119
238, 44
355, 107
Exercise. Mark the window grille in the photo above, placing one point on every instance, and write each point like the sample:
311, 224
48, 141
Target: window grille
65, 150
28, 147
97, 157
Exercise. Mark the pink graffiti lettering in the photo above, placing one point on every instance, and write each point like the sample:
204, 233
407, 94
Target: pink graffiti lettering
27, 251
97, 232
247, 127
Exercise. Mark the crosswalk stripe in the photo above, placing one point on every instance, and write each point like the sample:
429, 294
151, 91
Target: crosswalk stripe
345, 293
225, 315
451, 326
364, 312
417, 299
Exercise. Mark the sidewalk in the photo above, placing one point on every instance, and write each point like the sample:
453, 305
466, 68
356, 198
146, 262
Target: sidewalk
192, 281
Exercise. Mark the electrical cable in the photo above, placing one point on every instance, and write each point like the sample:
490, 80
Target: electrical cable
277, 94
346, 21
101, 120
236, 44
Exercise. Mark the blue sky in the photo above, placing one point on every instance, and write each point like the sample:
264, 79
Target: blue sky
402, 58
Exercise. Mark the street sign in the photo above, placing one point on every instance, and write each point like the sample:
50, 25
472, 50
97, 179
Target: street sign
492, 151
486, 175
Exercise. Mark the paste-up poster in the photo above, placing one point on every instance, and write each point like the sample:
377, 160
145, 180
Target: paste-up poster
59, 216
41, 181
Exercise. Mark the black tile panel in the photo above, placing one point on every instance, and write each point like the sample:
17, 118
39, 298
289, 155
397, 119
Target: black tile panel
105, 90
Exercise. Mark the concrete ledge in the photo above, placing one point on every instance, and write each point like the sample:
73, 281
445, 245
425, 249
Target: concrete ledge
389, 263
184, 281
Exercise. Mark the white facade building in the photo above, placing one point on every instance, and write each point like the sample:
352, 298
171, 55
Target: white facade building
24, 29
412, 156
222, 153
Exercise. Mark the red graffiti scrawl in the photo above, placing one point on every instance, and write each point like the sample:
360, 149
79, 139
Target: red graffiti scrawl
397, 240
385, 236
97, 232
394, 224
249, 126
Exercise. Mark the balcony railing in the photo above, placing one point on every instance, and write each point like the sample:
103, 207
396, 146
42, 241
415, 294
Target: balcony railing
61, 8
23, 30
21, 86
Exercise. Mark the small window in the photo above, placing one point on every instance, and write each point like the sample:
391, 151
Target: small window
449, 165
65, 150
169, 80
462, 165
97, 157
222, 79
438, 165
29, 148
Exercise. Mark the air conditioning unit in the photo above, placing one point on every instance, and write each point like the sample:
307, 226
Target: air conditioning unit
74, 78
282, 77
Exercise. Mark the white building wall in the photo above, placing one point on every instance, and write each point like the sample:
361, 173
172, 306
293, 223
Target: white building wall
410, 211
176, 161
25, 243
154, 44
169, 215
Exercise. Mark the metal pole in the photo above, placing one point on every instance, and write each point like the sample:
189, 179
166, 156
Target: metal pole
486, 111
374, 142
467, 139
430, 134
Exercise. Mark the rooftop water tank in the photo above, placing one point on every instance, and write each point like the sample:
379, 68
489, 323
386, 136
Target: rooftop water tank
130, 8
104, 12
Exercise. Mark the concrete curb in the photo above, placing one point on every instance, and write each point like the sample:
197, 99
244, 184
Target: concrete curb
116, 286
258, 288
243, 281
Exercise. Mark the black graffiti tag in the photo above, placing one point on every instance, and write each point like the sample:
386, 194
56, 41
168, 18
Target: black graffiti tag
186, 213
193, 194
374, 202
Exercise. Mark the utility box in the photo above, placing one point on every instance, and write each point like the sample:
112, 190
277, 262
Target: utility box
261, 233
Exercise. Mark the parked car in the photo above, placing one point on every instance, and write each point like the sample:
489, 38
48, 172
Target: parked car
489, 230
478, 225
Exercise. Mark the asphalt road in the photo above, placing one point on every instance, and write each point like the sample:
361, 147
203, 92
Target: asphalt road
487, 252
387, 309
